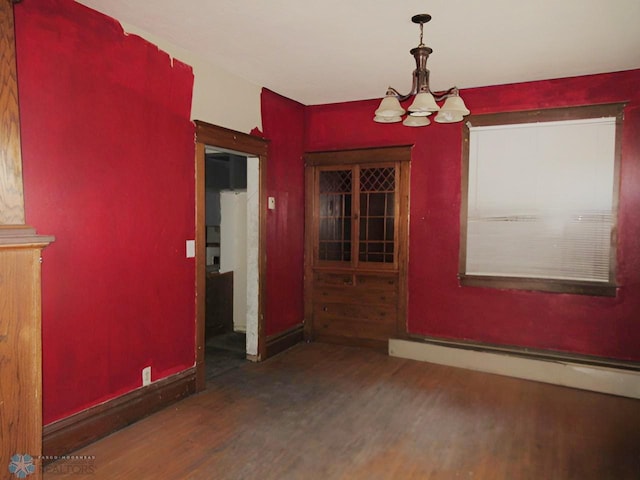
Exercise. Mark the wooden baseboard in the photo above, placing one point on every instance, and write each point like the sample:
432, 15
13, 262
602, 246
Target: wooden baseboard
614, 381
284, 340
81, 429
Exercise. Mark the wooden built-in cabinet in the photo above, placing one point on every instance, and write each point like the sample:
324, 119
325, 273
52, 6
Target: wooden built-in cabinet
356, 247
20, 346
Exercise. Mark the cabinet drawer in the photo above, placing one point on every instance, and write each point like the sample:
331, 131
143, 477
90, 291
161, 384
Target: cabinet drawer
385, 282
327, 278
378, 314
350, 294
355, 305
353, 328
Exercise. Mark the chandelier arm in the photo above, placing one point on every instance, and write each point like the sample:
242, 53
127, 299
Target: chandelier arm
400, 96
439, 96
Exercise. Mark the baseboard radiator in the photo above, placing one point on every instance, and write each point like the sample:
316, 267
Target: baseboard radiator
622, 379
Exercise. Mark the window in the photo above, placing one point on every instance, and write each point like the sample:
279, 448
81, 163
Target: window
540, 200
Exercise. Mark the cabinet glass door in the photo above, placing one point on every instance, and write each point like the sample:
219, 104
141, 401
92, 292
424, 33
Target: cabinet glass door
377, 215
356, 212
334, 219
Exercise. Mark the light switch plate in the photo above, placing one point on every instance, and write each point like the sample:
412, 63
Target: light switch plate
271, 202
146, 376
191, 248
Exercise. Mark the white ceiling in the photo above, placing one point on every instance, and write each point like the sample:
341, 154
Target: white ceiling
339, 50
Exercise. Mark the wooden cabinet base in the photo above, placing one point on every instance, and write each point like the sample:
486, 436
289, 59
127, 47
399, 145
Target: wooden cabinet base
20, 349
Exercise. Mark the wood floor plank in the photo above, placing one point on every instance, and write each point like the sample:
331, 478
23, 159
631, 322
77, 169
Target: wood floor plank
332, 412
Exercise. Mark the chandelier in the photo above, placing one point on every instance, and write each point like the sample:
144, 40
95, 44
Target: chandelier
424, 103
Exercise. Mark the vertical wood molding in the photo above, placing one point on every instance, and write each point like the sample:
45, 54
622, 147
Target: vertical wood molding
20, 250
262, 255
201, 272
403, 249
309, 253
11, 188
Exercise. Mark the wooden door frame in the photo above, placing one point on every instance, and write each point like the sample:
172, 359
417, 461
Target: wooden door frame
215, 136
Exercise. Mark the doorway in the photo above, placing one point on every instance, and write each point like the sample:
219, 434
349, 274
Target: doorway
231, 208
220, 269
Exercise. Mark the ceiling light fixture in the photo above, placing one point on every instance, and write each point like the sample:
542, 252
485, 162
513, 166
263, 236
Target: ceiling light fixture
424, 103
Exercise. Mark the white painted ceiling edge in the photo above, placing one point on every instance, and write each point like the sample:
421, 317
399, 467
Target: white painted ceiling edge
343, 50
219, 96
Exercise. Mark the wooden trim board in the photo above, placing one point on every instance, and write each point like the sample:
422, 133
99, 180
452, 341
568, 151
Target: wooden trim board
284, 340
11, 185
614, 381
85, 427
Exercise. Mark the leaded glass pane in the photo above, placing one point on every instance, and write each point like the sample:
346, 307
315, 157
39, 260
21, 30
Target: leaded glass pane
377, 214
335, 215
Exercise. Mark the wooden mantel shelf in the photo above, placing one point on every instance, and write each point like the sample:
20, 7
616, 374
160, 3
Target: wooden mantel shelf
22, 235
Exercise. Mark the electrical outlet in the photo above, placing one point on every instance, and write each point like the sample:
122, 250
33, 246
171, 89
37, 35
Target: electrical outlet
146, 376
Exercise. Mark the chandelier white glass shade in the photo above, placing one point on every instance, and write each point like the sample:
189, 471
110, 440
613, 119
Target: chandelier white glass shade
424, 102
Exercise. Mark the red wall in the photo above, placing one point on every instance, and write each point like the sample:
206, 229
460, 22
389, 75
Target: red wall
108, 154
108, 151
438, 305
283, 124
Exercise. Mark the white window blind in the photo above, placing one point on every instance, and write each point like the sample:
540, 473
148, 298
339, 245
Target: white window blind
540, 200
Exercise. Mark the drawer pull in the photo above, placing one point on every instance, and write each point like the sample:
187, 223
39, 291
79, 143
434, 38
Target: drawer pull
325, 309
348, 282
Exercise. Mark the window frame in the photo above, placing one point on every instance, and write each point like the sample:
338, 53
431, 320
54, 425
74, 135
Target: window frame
608, 288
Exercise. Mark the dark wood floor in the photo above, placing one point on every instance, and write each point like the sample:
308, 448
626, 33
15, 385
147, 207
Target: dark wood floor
224, 352
329, 412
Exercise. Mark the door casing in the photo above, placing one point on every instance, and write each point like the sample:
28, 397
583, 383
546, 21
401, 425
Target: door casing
249, 145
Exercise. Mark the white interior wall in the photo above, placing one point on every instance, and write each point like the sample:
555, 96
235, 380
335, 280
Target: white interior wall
253, 238
219, 97
233, 250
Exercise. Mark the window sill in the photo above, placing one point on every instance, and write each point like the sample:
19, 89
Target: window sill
540, 285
